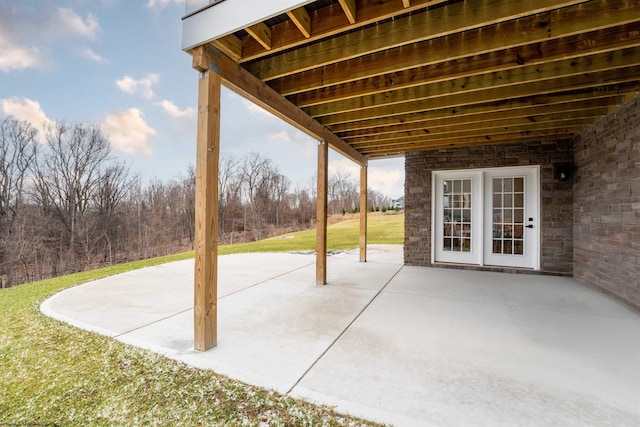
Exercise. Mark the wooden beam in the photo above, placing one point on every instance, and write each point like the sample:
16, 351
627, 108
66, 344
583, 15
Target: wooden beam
566, 48
327, 22
538, 74
605, 95
206, 215
261, 33
486, 127
321, 213
440, 22
486, 133
484, 116
349, 8
397, 149
542, 28
490, 94
363, 214
300, 17
241, 81
230, 45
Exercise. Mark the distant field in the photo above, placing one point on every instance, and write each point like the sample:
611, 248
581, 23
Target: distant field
54, 374
381, 229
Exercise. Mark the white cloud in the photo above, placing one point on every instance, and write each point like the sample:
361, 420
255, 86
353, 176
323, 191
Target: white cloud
283, 135
254, 108
129, 133
28, 110
385, 176
345, 166
297, 138
389, 183
74, 24
14, 57
171, 109
143, 86
91, 55
161, 4
28, 35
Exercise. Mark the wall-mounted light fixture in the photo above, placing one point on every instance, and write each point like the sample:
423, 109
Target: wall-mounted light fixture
563, 171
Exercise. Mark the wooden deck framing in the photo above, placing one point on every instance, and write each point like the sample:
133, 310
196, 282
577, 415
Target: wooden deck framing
380, 78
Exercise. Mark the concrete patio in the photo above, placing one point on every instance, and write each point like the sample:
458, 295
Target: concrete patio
392, 343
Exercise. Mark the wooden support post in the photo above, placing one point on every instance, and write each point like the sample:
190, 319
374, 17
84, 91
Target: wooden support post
206, 221
321, 213
363, 214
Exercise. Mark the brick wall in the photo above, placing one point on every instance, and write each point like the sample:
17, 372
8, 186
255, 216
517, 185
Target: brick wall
607, 204
556, 196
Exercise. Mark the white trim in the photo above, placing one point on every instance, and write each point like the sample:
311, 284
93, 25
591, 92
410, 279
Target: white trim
230, 16
474, 256
483, 172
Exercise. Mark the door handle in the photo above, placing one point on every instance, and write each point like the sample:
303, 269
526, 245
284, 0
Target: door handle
530, 226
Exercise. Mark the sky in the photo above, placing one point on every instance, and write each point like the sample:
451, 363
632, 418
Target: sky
119, 64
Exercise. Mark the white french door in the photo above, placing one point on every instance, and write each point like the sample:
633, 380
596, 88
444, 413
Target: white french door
487, 217
458, 215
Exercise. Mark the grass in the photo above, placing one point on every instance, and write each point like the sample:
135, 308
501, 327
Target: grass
381, 229
54, 374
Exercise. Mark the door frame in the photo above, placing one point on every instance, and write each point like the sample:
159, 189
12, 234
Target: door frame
536, 233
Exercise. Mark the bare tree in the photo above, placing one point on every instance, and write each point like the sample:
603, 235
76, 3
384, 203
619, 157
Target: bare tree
188, 193
257, 174
113, 186
18, 151
378, 200
68, 176
279, 197
343, 192
229, 195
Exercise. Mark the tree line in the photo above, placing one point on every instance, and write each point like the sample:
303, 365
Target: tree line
67, 204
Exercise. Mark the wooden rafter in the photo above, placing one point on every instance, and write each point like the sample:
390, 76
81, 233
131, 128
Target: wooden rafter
578, 23
485, 129
480, 114
447, 20
261, 33
491, 94
539, 135
546, 53
558, 71
349, 8
605, 95
230, 45
328, 22
379, 78
300, 17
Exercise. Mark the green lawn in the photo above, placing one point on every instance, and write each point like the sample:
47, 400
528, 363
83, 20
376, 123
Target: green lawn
381, 229
54, 374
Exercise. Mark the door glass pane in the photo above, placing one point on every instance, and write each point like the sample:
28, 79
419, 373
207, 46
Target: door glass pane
508, 215
457, 215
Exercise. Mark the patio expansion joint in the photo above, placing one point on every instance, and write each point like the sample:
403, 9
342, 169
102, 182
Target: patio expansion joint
266, 280
219, 298
152, 323
330, 346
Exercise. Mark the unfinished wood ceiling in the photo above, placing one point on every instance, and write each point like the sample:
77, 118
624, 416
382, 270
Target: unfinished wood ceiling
391, 76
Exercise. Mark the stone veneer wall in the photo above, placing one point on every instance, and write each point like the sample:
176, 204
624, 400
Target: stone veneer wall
556, 196
607, 204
